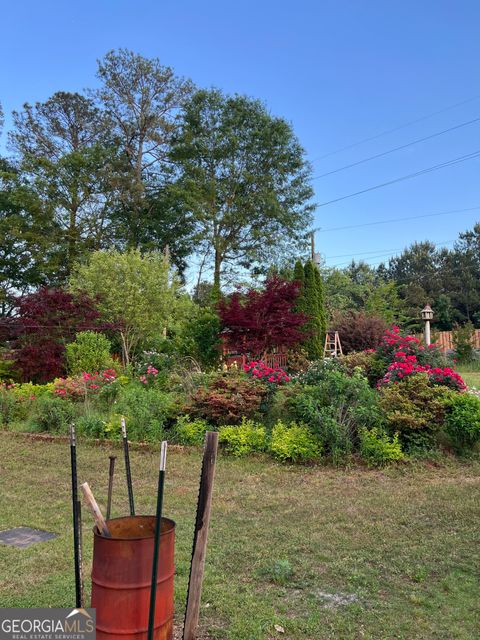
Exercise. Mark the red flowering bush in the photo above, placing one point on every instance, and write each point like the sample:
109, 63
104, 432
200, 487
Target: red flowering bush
260, 371
394, 342
80, 387
410, 357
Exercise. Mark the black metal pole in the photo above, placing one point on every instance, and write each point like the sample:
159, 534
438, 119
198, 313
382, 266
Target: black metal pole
156, 540
127, 468
76, 535
111, 471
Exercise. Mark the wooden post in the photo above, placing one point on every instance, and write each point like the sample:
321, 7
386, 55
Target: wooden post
199, 550
95, 509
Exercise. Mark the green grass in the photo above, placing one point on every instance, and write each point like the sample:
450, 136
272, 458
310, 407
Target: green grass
324, 553
471, 375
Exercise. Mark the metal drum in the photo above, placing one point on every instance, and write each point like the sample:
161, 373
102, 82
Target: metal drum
121, 579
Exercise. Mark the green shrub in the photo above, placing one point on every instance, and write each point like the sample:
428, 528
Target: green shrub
377, 448
148, 411
415, 410
366, 362
319, 370
91, 425
7, 407
89, 352
245, 438
228, 398
335, 409
462, 423
191, 432
294, 442
52, 414
463, 339
336, 434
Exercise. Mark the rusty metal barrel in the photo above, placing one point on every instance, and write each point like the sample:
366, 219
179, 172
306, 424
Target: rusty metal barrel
121, 579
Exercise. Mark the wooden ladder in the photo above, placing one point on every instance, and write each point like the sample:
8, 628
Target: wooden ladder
333, 346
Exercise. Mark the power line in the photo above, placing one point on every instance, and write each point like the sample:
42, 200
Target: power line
403, 146
447, 163
363, 253
402, 126
391, 253
425, 215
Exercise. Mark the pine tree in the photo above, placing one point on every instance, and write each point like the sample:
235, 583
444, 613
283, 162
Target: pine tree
312, 304
299, 272
321, 304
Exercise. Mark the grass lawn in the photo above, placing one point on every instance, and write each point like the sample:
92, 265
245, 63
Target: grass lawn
375, 554
471, 374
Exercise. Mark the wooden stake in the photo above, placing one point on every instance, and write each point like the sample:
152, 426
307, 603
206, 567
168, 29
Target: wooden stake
95, 509
202, 522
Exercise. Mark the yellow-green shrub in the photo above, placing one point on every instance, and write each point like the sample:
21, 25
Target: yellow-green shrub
245, 438
294, 442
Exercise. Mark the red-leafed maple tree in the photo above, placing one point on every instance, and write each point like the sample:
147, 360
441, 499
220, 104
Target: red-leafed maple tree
260, 322
44, 323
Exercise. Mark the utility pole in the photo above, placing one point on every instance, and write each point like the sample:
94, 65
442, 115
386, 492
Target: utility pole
315, 256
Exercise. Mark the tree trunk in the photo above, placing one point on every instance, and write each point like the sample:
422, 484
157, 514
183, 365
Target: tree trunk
216, 274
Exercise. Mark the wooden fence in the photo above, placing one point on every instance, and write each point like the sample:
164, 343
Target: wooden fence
444, 339
271, 360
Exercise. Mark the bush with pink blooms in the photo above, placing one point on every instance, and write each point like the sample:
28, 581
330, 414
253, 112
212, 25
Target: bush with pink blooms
150, 376
406, 356
260, 371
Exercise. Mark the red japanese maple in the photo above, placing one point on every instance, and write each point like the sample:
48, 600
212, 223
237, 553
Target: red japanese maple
45, 321
259, 322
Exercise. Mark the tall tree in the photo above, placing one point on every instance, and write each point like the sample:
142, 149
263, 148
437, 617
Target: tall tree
244, 179
63, 150
28, 252
136, 292
142, 99
313, 308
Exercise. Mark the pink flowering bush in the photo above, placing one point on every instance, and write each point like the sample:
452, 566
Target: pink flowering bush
260, 371
407, 356
84, 385
149, 377
393, 342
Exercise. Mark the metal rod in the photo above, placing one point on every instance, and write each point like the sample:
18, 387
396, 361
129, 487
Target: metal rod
156, 540
111, 471
76, 536
127, 467
80, 553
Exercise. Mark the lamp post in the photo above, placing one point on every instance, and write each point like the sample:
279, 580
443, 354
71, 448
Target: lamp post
427, 315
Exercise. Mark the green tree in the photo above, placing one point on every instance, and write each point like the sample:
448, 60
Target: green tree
244, 180
299, 272
136, 293
142, 100
64, 153
322, 320
28, 251
310, 305
90, 351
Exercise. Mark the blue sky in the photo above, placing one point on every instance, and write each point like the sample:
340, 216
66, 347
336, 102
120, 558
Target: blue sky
339, 71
